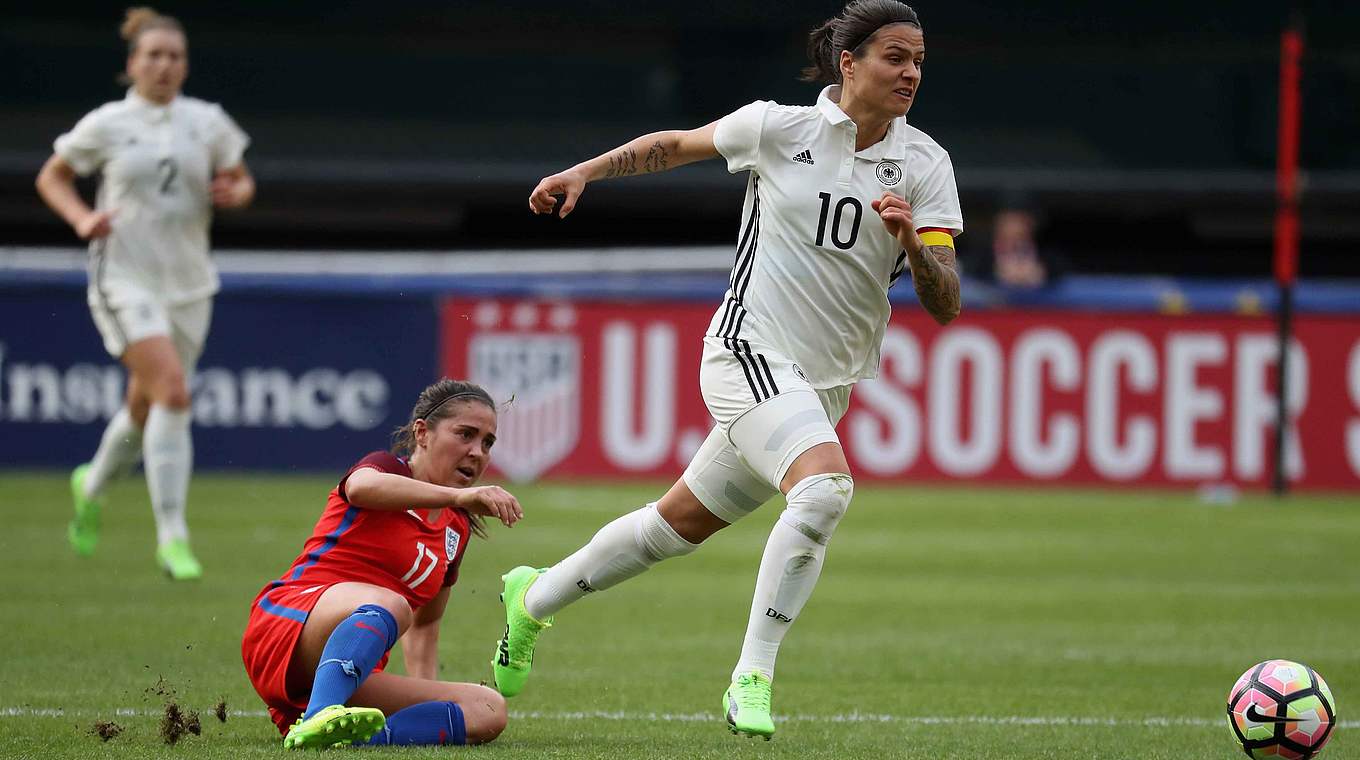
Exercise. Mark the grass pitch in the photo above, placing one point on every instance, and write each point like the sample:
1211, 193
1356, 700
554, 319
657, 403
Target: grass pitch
949, 623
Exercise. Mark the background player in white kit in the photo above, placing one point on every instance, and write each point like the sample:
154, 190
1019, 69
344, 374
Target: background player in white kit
164, 161
801, 322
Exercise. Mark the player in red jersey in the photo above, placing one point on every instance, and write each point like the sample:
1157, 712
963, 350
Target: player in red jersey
378, 567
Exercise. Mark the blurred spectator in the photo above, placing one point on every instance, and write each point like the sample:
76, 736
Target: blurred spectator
1015, 257
1012, 257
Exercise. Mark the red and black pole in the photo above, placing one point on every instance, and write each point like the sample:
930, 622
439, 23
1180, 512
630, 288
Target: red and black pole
1286, 228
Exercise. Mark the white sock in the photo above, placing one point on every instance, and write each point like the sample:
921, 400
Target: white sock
169, 454
790, 566
788, 572
620, 550
119, 449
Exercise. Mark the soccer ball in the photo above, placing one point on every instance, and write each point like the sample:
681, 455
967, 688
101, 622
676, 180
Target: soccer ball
1281, 709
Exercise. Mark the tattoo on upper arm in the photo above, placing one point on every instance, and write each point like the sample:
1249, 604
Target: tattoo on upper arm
656, 158
622, 164
936, 280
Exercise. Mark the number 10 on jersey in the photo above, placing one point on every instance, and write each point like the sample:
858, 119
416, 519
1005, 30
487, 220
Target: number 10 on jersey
848, 200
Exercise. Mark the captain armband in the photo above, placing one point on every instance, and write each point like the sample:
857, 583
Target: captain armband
937, 236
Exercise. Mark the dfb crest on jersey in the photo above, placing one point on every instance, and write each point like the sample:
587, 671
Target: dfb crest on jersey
451, 539
537, 377
888, 173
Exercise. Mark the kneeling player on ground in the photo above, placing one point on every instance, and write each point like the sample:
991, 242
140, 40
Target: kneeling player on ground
376, 569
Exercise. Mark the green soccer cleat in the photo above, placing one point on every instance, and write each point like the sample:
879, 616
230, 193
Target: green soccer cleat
83, 530
178, 561
515, 651
335, 726
747, 702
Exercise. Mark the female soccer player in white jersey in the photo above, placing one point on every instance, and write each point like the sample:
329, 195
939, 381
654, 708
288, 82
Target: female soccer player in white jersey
801, 322
164, 160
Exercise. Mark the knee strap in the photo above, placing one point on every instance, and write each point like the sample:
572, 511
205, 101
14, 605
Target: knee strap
817, 503
659, 539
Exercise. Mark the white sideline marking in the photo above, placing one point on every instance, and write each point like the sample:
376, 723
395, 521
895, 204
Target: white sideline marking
705, 717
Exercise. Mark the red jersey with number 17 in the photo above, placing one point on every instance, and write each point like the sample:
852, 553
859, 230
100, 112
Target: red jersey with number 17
414, 552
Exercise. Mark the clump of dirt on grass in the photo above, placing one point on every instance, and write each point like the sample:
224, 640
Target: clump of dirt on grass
175, 724
105, 729
220, 710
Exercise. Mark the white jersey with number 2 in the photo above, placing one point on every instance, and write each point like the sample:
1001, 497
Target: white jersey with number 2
814, 262
156, 164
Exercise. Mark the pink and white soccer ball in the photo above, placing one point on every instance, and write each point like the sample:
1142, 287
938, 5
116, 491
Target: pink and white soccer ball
1281, 709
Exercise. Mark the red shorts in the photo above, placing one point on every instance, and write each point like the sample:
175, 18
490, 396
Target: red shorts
276, 621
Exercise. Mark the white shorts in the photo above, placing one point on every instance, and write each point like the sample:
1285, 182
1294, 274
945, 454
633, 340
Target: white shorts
767, 414
140, 315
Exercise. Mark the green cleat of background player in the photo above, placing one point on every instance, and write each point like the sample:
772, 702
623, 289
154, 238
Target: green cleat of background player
335, 726
747, 702
515, 651
83, 530
178, 561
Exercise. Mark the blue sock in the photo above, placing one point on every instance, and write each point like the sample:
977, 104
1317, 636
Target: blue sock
425, 723
354, 648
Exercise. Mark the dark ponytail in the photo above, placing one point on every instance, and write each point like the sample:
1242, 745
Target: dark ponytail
851, 30
437, 402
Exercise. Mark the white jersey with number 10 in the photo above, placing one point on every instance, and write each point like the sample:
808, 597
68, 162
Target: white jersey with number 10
814, 262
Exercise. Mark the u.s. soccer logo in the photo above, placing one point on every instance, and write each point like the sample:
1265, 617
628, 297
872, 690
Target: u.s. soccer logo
888, 173
537, 378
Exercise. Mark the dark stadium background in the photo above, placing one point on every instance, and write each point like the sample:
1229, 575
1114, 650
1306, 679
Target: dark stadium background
1143, 132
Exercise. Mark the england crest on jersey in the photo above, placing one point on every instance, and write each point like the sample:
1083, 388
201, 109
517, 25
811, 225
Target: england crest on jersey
536, 375
451, 539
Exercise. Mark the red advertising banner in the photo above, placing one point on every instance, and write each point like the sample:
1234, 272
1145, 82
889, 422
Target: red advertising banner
605, 389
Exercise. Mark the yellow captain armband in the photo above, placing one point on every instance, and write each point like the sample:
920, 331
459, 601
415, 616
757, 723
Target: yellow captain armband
936, 237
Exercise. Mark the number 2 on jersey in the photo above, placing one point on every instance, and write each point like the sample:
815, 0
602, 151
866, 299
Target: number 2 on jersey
851, 201
168, 169
422, 553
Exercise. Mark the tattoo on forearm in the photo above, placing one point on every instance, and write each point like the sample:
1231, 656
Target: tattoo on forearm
936, 279
656, 158
622, 164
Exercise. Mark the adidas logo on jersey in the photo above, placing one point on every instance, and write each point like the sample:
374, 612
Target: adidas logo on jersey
804, 158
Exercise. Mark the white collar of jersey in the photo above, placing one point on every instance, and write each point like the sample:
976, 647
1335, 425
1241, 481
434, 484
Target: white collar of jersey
891, 146
829, 104
153, 111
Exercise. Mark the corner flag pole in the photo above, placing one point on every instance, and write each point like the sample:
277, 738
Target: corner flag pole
1286, 228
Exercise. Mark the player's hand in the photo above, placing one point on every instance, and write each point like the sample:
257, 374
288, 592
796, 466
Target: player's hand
569, 183
896, 215
491, 501
228, 191
95, 225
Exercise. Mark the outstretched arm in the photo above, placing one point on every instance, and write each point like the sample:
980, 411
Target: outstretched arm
933, 270
648, 154
371, 489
